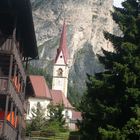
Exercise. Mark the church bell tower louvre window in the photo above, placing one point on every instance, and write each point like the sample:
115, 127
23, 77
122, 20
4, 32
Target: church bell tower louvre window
60, 72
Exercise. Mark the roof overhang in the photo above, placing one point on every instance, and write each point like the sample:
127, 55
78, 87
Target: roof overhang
21, 12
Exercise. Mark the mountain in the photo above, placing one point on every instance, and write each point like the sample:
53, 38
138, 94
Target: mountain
86, 22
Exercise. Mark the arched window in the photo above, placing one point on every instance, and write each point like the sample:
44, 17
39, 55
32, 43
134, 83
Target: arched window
60, 72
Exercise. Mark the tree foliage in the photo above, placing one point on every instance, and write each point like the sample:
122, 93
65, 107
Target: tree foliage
38, 120
111, 106
55, 113
74, 96
46, 124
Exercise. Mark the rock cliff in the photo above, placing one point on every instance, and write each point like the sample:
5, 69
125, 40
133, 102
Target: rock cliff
86, 21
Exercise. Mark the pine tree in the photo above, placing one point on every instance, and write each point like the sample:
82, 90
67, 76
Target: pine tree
38, 119
111, 106
55, 113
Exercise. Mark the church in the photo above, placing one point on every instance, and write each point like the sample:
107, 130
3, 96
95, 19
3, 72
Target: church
38, 90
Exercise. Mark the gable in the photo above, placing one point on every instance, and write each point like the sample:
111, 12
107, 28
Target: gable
60, 58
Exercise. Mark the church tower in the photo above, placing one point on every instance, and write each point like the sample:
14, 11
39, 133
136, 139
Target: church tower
61, 70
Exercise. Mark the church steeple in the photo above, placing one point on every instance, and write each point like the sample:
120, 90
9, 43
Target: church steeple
63, 45
61, 69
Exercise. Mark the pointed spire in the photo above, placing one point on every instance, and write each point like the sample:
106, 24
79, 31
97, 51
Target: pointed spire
63, 44
63, 36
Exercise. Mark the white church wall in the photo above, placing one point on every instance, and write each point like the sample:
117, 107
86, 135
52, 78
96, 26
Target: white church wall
68, 116
60, 75
67, 113
60, 78
58, 84
33, 104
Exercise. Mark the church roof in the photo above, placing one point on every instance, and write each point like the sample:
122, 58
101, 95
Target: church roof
40, 87
41, 90
59, 98
76, 115
63, 45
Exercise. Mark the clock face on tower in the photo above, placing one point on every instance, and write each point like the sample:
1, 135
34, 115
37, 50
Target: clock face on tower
60, 72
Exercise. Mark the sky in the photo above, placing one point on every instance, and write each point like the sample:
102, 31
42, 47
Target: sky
117, 3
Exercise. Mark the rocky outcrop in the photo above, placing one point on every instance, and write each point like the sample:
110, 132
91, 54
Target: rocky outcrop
86, 21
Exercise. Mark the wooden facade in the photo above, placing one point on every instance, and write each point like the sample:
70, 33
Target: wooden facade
17, 39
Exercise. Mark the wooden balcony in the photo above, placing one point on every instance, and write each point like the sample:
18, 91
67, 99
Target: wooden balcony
6, 87
10, 132
3, 85
10, 47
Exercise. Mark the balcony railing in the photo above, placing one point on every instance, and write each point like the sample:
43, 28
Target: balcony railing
10, 132
19, 60
5, 89
15, 96
3, 84
10, 47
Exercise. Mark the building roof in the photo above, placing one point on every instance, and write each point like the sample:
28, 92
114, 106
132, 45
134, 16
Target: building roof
18, 14
76, 115
41, 90
59, 98
40, 87
63, 45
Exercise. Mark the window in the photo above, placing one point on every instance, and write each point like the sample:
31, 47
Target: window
60, 72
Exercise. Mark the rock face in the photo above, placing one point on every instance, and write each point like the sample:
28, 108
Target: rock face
86, 21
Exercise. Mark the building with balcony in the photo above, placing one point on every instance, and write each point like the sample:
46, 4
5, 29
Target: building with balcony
17, 48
